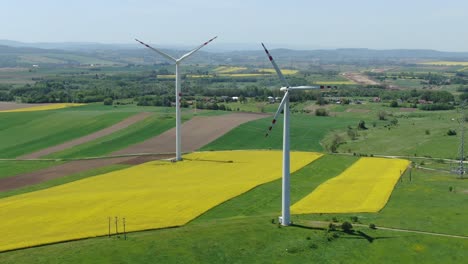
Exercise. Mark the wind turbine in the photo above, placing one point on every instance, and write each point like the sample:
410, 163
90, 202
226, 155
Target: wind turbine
178, 94
285, 218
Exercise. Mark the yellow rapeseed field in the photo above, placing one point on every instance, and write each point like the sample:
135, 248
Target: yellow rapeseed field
151, 195
283, 71
42, 107
229, 69
446, 63
364, 187
241, 74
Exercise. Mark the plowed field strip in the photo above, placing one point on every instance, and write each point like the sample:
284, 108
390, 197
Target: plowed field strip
101, 133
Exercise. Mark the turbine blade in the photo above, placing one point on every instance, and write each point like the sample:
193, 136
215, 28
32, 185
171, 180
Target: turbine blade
280, 107
277, 69
196, 49
165, 55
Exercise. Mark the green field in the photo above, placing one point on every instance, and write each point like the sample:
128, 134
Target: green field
306, 133
22, 133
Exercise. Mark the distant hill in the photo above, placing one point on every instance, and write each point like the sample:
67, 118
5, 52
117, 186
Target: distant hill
19, 54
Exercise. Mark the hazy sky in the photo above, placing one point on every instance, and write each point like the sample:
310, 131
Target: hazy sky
305, 24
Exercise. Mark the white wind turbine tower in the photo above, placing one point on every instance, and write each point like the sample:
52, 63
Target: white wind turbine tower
285, 218
178, 94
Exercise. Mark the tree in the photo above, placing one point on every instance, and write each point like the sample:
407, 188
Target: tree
382, 115
352, 134
321, 112
108, 101
337, 140
347, 227
393, 103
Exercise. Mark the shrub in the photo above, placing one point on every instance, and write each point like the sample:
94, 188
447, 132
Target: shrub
347, 227
321, 112
362, 125
108, 101
451, 132
394, 104
336, 142
352, 134
372, 226
382, 115
434, 107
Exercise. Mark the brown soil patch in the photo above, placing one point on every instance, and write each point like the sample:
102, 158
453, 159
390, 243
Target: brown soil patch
12, 106
55, 172
196, 133
356, 110
104, 132
359, 78
314, 107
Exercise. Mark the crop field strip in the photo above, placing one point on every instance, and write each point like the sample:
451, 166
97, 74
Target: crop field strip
93, 136
152, 195
366, 186
42, 107
26, 132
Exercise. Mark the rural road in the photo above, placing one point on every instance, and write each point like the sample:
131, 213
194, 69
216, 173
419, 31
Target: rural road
196, 133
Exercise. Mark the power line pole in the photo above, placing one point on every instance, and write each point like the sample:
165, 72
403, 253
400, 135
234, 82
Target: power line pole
461, 166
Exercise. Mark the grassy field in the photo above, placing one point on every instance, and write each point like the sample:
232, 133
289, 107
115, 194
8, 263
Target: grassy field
416, 134
306, 133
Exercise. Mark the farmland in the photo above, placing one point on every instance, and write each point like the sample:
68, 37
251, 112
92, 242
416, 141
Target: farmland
41, 108
86, 204
225, 201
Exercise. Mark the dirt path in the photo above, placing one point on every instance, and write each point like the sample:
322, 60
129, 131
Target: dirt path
359, 78
196, 132
415, 231
104, 132
324, 225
